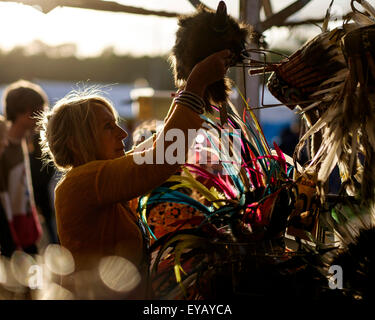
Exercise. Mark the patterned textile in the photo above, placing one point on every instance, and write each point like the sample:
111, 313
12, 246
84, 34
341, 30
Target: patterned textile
167, 217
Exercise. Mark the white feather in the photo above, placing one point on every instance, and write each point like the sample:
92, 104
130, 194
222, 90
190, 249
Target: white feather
338, 77
329, 162
361, 19
333, 89
368, 7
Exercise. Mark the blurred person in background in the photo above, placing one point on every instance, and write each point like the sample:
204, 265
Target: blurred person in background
43, 178
3, 134
7, 245
289, 139
22, 101
84, 140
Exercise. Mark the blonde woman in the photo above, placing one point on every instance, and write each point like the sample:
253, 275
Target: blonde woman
83, 139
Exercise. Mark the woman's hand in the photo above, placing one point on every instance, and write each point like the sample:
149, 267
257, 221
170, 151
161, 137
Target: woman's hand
207, 71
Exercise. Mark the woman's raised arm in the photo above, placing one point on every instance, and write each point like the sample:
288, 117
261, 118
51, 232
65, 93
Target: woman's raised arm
144, 169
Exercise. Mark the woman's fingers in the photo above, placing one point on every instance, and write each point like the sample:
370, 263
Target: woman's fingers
215, 66
209, 70
224, 54
221, 58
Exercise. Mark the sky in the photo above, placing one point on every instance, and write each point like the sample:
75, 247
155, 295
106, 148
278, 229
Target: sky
92, 31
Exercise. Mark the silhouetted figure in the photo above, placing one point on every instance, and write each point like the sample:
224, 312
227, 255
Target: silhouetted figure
289, 139
7, 245
22, 100
41, 176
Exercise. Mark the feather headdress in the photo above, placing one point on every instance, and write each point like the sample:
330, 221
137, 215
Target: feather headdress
245, 213
331, 79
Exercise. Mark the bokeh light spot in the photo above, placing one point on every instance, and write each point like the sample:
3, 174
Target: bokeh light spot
119, 274
59, 260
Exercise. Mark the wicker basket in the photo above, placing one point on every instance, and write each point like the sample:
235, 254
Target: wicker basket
298, 78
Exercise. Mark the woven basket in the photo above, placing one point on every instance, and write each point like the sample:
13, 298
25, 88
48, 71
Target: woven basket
298, 78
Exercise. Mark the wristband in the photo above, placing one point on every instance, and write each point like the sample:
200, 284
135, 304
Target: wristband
191, 100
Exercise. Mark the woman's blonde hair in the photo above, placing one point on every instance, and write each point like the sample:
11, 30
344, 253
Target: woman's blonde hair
68, 131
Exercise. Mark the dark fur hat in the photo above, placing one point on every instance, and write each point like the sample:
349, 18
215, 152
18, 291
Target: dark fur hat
202, 34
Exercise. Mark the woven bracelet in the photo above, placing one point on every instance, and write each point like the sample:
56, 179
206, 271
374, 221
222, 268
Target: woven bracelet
191, 100
194, 96
189, 103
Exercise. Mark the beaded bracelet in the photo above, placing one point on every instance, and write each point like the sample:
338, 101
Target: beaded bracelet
191, 100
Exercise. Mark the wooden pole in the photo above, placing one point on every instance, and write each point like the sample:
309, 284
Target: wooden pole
250, 14
267, 8
112, 6
282, 15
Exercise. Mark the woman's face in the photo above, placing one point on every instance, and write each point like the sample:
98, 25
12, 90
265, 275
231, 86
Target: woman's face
110, 135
